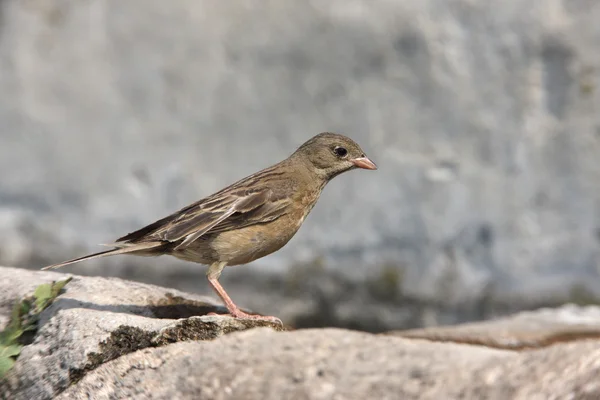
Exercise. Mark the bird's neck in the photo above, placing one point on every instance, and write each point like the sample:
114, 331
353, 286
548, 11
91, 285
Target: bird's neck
315, 178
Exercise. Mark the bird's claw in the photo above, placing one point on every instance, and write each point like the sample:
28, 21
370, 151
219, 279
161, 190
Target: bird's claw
242, 315
238, 314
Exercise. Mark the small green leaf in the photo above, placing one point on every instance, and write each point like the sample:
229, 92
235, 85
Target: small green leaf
25, 307
57, 287
46, 293
10, 335
42, 294
6, 363
24, 318
15, 318
31, 327
10, 351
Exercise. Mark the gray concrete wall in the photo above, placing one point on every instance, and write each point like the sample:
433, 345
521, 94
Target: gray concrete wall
482, 116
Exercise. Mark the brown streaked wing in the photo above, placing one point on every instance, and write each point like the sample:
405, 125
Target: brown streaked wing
269, 211
196, 224
202, 212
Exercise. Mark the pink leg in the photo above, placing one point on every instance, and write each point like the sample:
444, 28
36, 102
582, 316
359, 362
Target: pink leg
233, 309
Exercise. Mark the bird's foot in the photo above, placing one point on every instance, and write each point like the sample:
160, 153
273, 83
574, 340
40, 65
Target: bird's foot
234, 311
239, 314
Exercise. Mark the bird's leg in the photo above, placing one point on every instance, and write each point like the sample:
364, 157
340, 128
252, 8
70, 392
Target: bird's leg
213, 273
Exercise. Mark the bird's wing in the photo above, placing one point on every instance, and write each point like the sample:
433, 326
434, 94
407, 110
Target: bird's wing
199, 220
223, 211
273, 208
246, 202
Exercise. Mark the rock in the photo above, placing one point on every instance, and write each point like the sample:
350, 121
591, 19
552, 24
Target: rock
329, 363
540, 328
96, 320
481, 115
307, 364
113, 339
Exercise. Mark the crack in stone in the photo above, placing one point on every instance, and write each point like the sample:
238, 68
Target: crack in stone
514, 344
124, 340
128, 339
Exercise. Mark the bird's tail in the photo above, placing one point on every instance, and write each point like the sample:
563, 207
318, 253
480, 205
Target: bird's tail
138, 247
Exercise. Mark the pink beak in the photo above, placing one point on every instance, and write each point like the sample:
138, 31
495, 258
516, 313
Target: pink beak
364, 163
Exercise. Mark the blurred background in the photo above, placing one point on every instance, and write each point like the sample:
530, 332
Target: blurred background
483, 117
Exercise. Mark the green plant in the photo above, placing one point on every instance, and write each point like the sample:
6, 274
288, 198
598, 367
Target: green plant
24, 318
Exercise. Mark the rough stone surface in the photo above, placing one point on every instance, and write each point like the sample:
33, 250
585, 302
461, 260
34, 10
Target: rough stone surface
482, 116
96, 320
329, 363
525, 330
308, 364
112, 339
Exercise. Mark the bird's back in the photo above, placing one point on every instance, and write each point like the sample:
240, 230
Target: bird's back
285, 193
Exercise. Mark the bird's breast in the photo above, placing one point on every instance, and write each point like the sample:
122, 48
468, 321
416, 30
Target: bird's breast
308, 201
241, 246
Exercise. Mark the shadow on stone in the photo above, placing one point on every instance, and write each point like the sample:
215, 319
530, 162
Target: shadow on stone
177, 307
171, 307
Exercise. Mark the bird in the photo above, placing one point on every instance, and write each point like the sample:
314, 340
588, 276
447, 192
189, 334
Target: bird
248, 219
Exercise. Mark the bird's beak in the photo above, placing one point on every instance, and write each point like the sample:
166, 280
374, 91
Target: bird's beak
364, 163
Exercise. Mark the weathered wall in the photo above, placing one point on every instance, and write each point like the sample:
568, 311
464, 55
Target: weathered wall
483, 118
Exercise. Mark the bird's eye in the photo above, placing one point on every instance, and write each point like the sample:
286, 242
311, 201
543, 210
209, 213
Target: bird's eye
340, 151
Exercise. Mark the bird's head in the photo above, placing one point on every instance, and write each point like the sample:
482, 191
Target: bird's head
330, 154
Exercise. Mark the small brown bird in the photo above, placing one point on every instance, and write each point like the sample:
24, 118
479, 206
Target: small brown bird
250, 219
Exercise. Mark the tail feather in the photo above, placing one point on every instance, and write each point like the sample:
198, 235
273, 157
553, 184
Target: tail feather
122, 250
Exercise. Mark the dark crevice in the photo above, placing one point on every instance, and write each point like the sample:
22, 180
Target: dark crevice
124, 340
128, 339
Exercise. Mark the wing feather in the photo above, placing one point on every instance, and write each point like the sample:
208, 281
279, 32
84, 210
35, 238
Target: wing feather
267, 212
231, 208
202, 221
